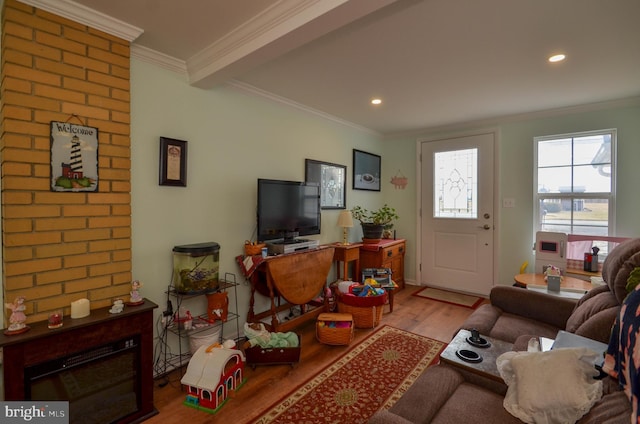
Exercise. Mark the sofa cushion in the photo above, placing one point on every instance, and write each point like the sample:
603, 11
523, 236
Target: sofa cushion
598, 326
386, 417
554, 386
590, 310
483, 319
538, 306
427, 394
509, 327
613, 408
441, 395
471, 403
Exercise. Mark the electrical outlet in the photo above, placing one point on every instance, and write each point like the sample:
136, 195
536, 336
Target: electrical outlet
509, 202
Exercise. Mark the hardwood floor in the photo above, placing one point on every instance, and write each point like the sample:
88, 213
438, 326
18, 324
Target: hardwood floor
267, 384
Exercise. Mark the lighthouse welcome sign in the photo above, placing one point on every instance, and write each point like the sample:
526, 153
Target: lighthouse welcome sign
74, 157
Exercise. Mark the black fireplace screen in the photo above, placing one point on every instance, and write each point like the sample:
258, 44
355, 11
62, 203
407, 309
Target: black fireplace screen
101, 384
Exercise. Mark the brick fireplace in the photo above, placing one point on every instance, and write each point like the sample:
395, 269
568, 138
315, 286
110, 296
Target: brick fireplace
58, 247
102, 364
61, 247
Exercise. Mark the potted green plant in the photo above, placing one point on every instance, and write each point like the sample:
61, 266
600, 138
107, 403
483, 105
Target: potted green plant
374, 222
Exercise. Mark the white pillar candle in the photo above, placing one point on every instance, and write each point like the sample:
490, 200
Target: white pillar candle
80, 308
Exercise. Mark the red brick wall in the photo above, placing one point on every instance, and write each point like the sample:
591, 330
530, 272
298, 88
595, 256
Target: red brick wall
60, 247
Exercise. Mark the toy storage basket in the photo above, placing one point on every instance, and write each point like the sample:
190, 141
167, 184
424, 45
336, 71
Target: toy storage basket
334, 335
366, 311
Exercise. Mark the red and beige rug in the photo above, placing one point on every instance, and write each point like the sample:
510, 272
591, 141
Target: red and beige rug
372, 375
446, 296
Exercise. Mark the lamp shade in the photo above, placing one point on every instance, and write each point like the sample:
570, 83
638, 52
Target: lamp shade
345, 219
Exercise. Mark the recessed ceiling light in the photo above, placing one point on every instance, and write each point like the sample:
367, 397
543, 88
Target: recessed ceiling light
557, 58
376, 101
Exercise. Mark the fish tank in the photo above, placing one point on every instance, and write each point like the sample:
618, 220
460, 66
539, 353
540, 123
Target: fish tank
196, 268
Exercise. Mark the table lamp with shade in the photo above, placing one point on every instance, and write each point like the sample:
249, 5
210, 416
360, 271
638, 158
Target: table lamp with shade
345, 220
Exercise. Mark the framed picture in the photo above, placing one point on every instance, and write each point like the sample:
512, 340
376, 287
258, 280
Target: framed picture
74, 157
332, 180
366, 171
173, 162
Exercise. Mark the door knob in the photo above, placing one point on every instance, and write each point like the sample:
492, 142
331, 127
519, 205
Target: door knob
486, 227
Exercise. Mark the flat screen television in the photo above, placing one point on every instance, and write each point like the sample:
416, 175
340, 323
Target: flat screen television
287, 209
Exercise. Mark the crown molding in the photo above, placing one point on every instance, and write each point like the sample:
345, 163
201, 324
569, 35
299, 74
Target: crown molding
86, 16
526, 116
161, 60
248, 88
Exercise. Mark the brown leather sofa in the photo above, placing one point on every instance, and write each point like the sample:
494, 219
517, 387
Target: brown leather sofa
516, 314
443, 394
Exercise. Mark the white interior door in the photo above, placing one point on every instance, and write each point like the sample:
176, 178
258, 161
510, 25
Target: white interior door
457, 223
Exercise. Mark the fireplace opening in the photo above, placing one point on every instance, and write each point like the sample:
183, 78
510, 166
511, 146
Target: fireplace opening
101, 384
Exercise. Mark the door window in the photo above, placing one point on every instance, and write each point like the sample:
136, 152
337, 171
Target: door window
455, 184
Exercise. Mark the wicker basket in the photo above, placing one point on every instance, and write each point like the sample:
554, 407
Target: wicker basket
333, 335
253, 249
366, 311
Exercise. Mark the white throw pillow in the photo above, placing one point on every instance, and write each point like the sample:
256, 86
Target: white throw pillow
550, 387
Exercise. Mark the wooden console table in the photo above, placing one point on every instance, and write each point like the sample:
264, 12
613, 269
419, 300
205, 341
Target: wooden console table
347, 253
388, 253
298, 278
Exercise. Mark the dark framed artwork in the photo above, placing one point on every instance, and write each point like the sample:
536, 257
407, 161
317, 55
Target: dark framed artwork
173, 162
366, 171
332, 179
74, 157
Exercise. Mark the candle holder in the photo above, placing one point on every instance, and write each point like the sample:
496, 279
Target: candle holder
55, 319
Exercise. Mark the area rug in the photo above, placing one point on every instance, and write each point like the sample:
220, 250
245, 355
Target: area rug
372, 375
446, 296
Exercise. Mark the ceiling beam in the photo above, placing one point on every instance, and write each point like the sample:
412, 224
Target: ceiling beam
279, 29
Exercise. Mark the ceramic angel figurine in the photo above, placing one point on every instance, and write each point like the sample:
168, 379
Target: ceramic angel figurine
118, 306
135, 293
17, 320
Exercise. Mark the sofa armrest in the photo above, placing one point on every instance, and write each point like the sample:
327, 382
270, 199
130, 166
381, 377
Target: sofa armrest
546, 308
477, 380
598, 327
592, 293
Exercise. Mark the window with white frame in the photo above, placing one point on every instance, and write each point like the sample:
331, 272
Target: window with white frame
574, 184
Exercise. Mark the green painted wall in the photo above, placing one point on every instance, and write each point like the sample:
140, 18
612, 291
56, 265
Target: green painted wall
515, 177
235, 138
